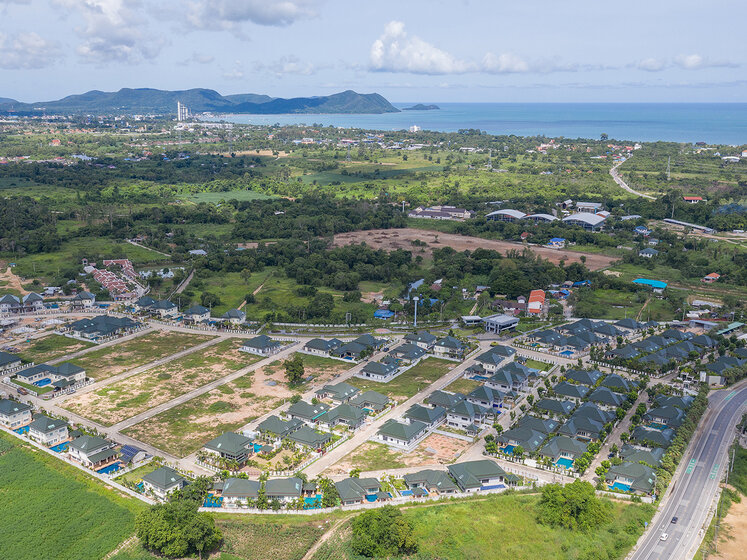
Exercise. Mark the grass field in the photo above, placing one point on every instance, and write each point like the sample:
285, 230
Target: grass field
230, 288
135, 475
50, 347
463, 385
616, 304
410, 382
374, 456
505, 526
53, 510
536, 364
136, 394
112, 360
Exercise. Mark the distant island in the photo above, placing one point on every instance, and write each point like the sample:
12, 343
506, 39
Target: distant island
198, 100
421, 107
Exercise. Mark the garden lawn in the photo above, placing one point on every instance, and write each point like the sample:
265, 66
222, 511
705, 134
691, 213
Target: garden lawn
51, 347
112, 360
411, 381
53, 510
136, 394
136, 475
536, 364
462, 385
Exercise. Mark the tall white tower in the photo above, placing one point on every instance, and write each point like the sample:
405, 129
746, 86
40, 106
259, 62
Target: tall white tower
182, 113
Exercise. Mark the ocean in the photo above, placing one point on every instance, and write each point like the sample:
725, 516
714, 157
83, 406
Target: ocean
715, 123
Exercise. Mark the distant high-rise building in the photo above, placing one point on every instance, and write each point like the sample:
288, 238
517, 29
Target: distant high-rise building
182, 113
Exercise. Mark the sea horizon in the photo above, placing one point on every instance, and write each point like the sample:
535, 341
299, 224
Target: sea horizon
714, 123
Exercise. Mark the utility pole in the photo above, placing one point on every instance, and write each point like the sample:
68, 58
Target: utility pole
669, 161
415, 299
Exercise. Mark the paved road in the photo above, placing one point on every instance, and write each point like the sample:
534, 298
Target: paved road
694, 486
616, 177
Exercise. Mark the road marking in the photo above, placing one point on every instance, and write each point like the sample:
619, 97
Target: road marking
714, 472
690, 466
730, 396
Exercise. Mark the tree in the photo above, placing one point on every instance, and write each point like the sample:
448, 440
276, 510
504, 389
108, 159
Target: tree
383, 532
574, 506
294, 370
355, 473
518, 452
176, 529
209, 300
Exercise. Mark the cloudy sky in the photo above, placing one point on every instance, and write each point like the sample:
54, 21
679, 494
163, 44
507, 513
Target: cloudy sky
407, 50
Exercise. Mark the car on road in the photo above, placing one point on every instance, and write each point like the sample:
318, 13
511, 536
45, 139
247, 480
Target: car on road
22, 391
675, 519
664, 536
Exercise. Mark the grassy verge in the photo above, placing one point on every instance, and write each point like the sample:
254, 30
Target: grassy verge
51, 347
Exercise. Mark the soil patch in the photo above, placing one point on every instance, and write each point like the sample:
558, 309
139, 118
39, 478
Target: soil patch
734, 545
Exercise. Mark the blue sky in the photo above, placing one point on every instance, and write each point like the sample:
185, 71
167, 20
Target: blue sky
407, 50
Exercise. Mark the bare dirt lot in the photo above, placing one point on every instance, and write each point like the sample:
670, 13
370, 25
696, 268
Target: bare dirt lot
733, 546
136, 394
393, 239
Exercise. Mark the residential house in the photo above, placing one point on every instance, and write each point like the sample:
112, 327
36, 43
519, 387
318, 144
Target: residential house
650, 437
648, 253
234, 316
401, 434
574, 393
92, 451
431, 417
408, 353
509, 379
554, 407
143, 304
230, 446
370, 400
472, 476
444, 399
423, 339
382, 371
350, 351
683, 402
102, 327
261, 345
9, 363
468, 416
164, 309
486, 397
652, 457
492, 359
239, 490
10, 304
511, 307
543, 425
711, 278
583, 377
633, 477
619, 383
338, 393
306, 437
448, 347
432, 481
355, 490
556, 243
163, 481
275, 429
14, 414
63, 376
500, 323
629, 326
350, 415
562, 450
48, 431
321, 347
83, 300
197, 314
669, 416
606, 398
283, 489
528, 439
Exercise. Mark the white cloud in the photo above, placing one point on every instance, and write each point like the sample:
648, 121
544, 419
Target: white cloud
396, 51
287, 65
113, 31
698, 62
651, 64
26, 51
503, 63
221, 15
198, 58
236, 72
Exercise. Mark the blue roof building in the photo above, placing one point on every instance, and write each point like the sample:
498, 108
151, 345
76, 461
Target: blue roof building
655, 284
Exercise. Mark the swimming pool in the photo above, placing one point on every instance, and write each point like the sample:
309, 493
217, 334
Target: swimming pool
479, 378
43, 382
406, 493
312, 502
566, 353
564, 462
258, 447
508, 450
60, 447
620, 486
114, 467
22, 431
657, 426
212, 501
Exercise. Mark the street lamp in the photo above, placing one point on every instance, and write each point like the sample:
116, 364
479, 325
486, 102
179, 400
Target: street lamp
416, 299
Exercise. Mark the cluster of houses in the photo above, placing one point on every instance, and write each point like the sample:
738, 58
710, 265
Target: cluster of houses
590, 216
39, 378
195, 315
440, 213
30, 303
101, 328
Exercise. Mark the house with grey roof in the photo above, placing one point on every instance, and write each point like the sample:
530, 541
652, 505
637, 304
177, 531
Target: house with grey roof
338, 393
273, 428
619, 383
467, 416
101, 327
371, 400
92, 451
627, 352
632, 454
261, 345
423, 339
583, 377
543, 425
163, 481
9, 363
632, 477
230, 446
554, 407
582, 427
308, 413
682, 402
402, 434
48, 431
355, 490
571, 392
629, 325
234, 316
669, 416
473, 476
530, 440
84, 300
350, 351
449, 347
164, 309
606, 398
408, 353
143, 304
197, 314
14, 414
496, 356
486, 397
239, 490
321, 347
445, 399
383, 371
433, 481
306, 437
563, 447
508, 379
649, 437
430, 416
284, 489
346, 414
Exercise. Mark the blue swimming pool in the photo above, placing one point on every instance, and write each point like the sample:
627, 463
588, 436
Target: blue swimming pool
60, 447
620, 486
406, 493
566, 353
23, 430
492, 487
312, 502
564, 462
140, 487
212, 501
656, 426
114, 467
43, 382
479, 378
257, 447
508, 450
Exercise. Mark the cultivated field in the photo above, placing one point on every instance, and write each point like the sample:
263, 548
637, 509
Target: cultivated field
136, 394
40, 350
411, 381
113, 360
393, 239
183, 429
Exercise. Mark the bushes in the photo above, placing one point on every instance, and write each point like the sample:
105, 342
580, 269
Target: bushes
573, 506
383, 532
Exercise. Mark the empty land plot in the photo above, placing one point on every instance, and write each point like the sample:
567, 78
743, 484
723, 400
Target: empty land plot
136, 394
323, 369
463, 385
113, 360
393, 239
411, 381
50, 347
374, 456
183, 429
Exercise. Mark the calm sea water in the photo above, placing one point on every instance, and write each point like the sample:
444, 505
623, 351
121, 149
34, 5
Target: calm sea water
717, 123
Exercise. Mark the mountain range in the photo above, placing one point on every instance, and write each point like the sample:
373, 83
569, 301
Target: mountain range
198, 100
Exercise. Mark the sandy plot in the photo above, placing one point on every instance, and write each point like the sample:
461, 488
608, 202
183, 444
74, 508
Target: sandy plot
393, 239
733, 547
138, 393
13, 281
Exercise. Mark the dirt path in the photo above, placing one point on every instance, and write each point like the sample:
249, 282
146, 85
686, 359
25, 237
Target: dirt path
640, 313
622, 184
126, 544
402, 238
325, 537
136, 244
255, 292
14, 282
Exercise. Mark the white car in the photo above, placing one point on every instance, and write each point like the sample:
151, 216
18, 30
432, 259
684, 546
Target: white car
664, 536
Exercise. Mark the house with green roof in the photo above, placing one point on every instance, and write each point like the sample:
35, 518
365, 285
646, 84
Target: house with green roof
430, 416
530, 440
606, 398
163, 481
466, 415
433, 481
401, 434
239, 490
423, 339
619, 383
308, 413
48, 431
371, 400
273, 428
449, 347
92, 451
570, 391
338, 393
408, 353
542, 425
347, 414
355, 490
669, 416
563, 447
197, 314
284, 489
554, 407
261, 345
649, 437
633, 454
9, 363
230, 446
483, 396
14, 414
632, 477
321, 347
234, 316
309, 438
445, 399
383, 371
473, 476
